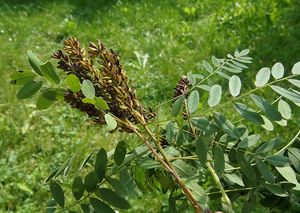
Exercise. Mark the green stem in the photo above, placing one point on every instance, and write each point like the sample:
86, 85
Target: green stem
290, 143
219, 184
232, 190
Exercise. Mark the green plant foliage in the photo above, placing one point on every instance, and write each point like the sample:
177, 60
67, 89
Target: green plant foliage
29, 89
22, 77
77, 187
73, 83
88, 89
101, 164
110, 121
34, 62
193, 101
46, 99
120, 152
99, 206
48, 70
57, 193
190, 155
113, 198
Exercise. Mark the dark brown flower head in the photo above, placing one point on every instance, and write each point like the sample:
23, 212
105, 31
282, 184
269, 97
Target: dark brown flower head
181, 87
102, 67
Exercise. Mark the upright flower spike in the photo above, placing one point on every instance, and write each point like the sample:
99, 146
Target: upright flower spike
103, 68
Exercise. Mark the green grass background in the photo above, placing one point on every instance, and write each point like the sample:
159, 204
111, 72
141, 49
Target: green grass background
157, 40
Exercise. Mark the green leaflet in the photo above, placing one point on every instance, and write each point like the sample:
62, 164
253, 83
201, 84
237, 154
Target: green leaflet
296, 68
88, 89
29, 89
235, 85
77, 187
34, 62
46, 99
285, 109
73, 82
48, 70
207, 66
170, 132
219, 161
248, 113
22, 77
278, 160
101, 164
90, 181
277, 70
262, 77
177, 106
246, 167
294, 155
265, 171
57, 193
215, 94
268, 145
226, 125
120, 153
193, 101
266, 107
112, 198
100, 207
292, 96
110, 121
201, 151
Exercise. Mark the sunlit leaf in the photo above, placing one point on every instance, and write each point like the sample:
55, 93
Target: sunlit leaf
268, 125
207, 66
249, 141
88, 89
296, 68
215, 61
292, 96
193, 101
177, 106
235, 85
278, 70
110, 121
22, 77
289, 174
215, 95
295, 82
89, 101
34, 62
191, 78
48, 70
235, 178
285, 109
73, 83
262, 77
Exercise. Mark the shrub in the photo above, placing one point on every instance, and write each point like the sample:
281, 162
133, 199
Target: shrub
216, 144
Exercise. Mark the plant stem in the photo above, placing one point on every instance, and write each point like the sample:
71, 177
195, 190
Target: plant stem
165, 161
290, 143
219, 184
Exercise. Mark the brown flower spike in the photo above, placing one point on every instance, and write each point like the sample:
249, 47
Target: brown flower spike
103, 68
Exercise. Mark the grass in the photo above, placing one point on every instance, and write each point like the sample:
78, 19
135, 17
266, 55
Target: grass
157, 41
